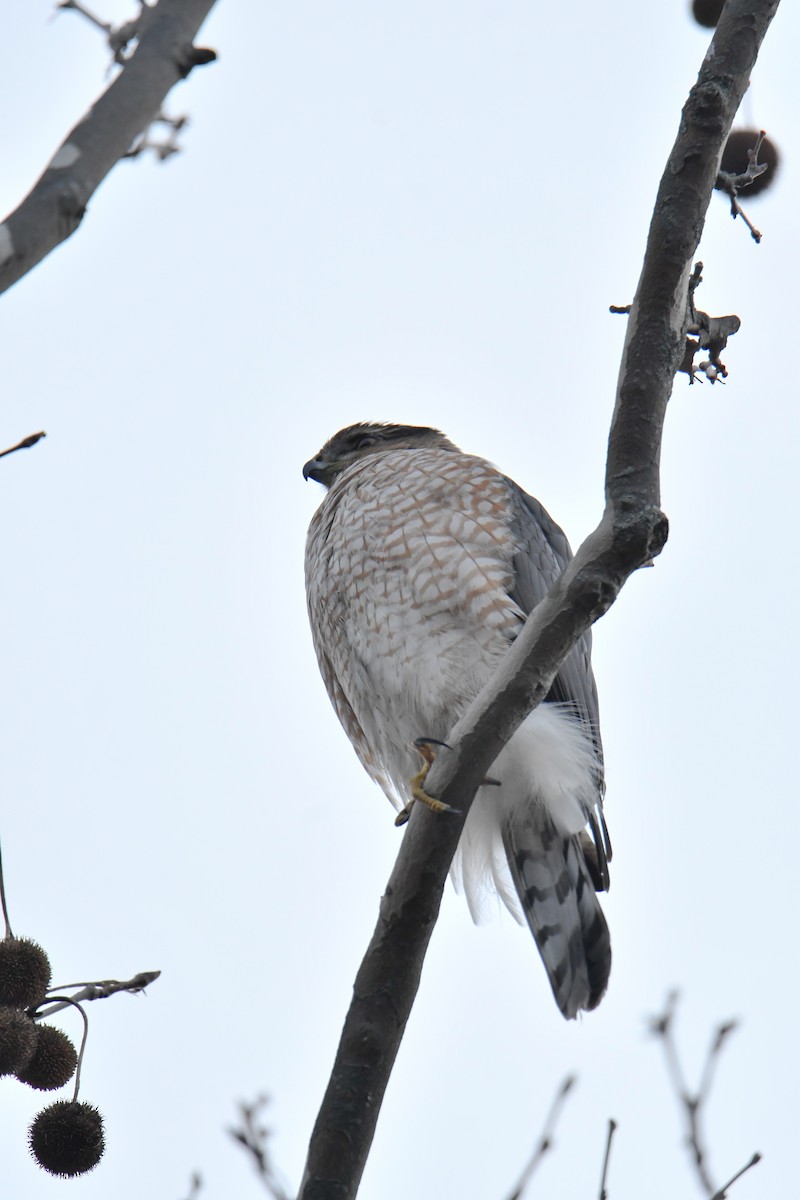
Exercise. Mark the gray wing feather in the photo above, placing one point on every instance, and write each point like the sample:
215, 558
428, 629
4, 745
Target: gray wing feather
542, 554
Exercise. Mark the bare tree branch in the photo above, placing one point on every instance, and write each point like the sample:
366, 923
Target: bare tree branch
99, 991
54, 208
254, 1137
545, 1140
632, 531
693, 1104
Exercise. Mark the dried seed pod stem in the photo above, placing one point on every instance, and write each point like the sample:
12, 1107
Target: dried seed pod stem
74, 1004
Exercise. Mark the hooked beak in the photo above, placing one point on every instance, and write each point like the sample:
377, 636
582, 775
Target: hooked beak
315, 469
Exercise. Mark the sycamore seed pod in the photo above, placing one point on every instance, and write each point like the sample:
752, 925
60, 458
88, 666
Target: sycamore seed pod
17, 1040
53, 1063
24, 972
66, 1138
707, 12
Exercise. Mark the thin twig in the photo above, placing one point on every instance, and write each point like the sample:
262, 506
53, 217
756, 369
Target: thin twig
723, 1191
612, 1125
693, 1104
117, 36
195, 1185
76, 6
253, 1136
25, 444
545, 1140
712, 1058
690, 1105
731, 185
100, 990
738, 211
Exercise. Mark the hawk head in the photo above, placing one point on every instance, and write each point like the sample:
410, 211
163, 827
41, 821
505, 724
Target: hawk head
357, 441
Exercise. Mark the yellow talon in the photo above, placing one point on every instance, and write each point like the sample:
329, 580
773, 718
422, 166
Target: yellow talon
417, 782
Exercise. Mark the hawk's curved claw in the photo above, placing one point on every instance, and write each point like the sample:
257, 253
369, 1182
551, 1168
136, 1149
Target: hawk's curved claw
428, 756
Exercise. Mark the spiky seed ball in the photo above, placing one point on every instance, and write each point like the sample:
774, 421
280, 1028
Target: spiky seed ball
53, 1063
24, 972
707, 12
734, 160
66, 1138
17, 1040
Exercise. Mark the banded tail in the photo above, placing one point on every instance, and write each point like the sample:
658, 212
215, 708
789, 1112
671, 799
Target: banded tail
556, 879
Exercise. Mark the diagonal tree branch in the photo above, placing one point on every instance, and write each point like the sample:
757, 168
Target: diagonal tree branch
545, 1141
54, 207
632, 531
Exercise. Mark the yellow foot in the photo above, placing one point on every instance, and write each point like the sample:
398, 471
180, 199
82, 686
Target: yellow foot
424, 747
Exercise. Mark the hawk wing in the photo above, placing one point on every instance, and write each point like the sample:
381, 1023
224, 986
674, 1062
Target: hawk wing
555, 877
542, 554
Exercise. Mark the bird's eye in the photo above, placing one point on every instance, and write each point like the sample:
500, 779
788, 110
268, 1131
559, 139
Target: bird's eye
365, 440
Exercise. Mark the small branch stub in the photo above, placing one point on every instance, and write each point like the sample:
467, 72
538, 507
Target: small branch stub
754, 176
195, 56
25, 444
703, 333
706, 333
612, 1126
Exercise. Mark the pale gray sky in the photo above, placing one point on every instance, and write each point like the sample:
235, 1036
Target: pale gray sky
410, 212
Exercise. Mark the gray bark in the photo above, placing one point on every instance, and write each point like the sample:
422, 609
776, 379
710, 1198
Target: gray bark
54, 207
631, 532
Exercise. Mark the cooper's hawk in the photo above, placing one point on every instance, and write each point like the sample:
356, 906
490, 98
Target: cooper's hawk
422, 564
